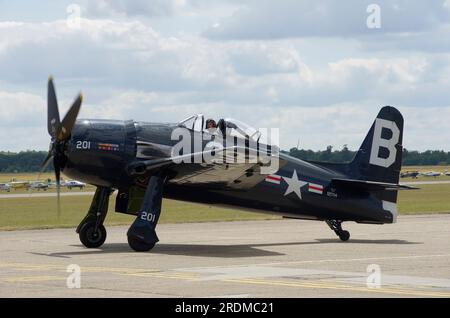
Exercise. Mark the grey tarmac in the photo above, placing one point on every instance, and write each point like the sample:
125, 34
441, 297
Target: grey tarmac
276, 258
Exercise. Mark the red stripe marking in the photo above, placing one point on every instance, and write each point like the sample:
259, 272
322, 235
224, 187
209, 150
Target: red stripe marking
273, 178
316, 188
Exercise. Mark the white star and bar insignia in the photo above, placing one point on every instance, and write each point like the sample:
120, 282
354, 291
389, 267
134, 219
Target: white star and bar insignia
295, 184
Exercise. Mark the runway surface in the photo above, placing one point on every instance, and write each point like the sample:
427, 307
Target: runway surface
425, 182
277, 258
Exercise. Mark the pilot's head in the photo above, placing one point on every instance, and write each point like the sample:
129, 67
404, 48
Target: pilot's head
211, 123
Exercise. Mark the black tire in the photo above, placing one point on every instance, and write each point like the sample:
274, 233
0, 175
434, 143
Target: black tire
138, 245
344, 236
91, 239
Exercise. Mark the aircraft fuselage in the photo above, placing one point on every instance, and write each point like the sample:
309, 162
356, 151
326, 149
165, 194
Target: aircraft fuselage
100, 151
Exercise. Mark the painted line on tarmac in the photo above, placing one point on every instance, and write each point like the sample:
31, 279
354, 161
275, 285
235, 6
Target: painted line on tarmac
146, 273
325, 285
30, 279
125, 271
358, 259
324, 261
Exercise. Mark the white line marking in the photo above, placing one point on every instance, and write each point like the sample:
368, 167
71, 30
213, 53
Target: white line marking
425, 182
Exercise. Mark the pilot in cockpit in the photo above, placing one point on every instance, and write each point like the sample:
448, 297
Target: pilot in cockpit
211, 126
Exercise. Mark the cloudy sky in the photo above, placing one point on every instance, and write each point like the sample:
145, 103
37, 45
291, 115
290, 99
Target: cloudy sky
314, 69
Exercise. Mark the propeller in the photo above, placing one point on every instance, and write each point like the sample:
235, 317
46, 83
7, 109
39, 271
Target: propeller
59, 132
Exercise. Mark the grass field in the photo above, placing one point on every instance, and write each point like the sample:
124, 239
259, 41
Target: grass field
35, 212
38, 213
30, 213
430, 198
32, 176
7, 177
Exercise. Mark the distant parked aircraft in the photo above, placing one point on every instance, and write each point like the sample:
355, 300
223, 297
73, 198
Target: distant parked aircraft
19, 185
74, 184
5, 187
409, 174
431, 174
38, 186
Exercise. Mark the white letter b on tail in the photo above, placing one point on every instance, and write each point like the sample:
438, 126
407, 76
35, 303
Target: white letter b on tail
380, 142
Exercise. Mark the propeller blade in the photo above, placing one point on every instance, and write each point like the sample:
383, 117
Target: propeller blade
46, 162
58, 183
68, 122
53, 121
59, 131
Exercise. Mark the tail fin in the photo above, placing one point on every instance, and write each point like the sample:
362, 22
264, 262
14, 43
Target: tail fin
379, 158
380, 155
377, 164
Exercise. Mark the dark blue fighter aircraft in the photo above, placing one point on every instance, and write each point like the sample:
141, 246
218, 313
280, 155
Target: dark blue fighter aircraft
144, 163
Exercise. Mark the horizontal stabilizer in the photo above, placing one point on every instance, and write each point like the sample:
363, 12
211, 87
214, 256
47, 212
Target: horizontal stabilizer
368, 185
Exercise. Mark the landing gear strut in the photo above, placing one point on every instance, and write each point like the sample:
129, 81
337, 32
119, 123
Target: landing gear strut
336, 226
91, 231
142, 235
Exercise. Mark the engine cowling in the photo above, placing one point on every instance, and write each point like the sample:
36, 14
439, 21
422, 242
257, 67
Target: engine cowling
99, 151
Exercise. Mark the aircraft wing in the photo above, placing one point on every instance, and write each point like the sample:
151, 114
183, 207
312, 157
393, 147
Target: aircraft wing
232, 167
368, 185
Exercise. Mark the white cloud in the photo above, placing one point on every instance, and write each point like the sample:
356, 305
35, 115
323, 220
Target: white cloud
123, 8
106, 55
23, 121
129, 69
21, 108
336, 125
430, 42
261, 19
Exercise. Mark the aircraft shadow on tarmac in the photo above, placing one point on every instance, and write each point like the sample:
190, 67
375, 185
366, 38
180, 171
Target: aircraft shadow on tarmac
223, 251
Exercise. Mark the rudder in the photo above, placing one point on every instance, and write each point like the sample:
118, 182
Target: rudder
380, 156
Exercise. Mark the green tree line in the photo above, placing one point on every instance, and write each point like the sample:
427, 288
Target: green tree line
24, 161
409, 158
30, 161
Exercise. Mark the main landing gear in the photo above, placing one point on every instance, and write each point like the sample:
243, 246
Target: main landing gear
336, 226
91, 231
142, 235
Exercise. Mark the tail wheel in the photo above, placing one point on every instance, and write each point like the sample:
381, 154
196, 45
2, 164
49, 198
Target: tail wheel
91, 238
344, 236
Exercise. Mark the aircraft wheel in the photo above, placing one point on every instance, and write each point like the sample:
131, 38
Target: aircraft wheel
92, 239
138, 245
344, 236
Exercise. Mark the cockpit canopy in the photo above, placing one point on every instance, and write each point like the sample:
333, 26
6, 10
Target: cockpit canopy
228, 126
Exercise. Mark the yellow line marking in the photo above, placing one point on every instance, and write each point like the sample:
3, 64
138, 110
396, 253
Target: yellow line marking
328, 260
34, 267
33, 278
139, 272
390, 290
164, 275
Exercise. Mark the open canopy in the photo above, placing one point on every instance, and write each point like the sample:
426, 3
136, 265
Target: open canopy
229, 126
